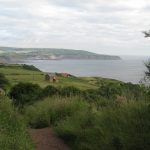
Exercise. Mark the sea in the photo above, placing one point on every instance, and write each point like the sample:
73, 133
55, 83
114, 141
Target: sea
128, 69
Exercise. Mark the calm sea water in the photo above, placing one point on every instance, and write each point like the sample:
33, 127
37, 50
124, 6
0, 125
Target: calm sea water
129, 69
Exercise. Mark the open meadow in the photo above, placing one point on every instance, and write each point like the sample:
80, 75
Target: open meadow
17, 73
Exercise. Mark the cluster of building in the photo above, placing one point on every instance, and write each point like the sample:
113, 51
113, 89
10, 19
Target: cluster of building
54, 77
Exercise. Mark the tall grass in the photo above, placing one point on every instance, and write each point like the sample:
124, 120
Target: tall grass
123, 128
85, 126
53, 109
13, 134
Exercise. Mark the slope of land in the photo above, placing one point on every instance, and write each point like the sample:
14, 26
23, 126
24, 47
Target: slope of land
18, 73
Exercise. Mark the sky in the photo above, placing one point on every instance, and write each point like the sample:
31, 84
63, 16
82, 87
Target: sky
101, 26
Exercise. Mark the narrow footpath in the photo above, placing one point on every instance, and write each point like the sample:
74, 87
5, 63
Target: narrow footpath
45, 139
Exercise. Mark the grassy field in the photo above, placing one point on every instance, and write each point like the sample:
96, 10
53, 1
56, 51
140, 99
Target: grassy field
16, 73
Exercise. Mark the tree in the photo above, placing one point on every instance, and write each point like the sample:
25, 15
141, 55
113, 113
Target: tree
147, 33
147, 73
110, 90
49, 91
147, 64
25, 93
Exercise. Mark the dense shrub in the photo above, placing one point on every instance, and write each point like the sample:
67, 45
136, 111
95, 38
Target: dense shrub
50, 91
70, 91
3, 81
122, 128
134, 91
51, 110
110, 90
30, 67
91, 94
13, 134
25, 93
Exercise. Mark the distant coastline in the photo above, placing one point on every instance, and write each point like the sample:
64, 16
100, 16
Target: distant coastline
11, 54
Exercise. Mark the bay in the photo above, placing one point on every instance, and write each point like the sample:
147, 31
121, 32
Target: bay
128, 69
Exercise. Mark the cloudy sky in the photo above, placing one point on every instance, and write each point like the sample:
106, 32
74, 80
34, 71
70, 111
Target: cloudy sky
102, 26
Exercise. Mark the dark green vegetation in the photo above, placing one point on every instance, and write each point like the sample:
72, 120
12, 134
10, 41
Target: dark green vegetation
147, 34
17, 54
117, 128
13, 131
31, 67
25, 93
3, 82
87, 113
97, 121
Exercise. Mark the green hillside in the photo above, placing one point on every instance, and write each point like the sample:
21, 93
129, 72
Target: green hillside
50, 53
17, 73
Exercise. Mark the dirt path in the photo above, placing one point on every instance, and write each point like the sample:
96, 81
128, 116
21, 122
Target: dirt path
45, 139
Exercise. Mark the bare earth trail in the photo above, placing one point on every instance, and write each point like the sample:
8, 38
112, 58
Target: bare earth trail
45, 139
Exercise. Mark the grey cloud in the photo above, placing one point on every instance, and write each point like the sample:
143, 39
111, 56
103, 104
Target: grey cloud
96, 25
70, 3
108, 8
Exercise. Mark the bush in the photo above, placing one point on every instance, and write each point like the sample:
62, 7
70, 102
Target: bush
110, 90
74, 129
123, 128
134, 91
30, 67
70, 91
91, 95
49, 91
51, 110
13, 134
3, 81
25, 93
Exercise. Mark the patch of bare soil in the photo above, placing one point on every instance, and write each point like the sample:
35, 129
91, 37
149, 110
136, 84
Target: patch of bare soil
45, 139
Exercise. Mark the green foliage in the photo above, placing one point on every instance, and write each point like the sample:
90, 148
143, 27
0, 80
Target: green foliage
3, 81
30, 67
110, 90
91, 95
105, 114
122, 128
107, 91
147, 33
51, 110
134, 91
70, 91
25, 93
95, 122
13, 134
16, 73
147, 72
49, 91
